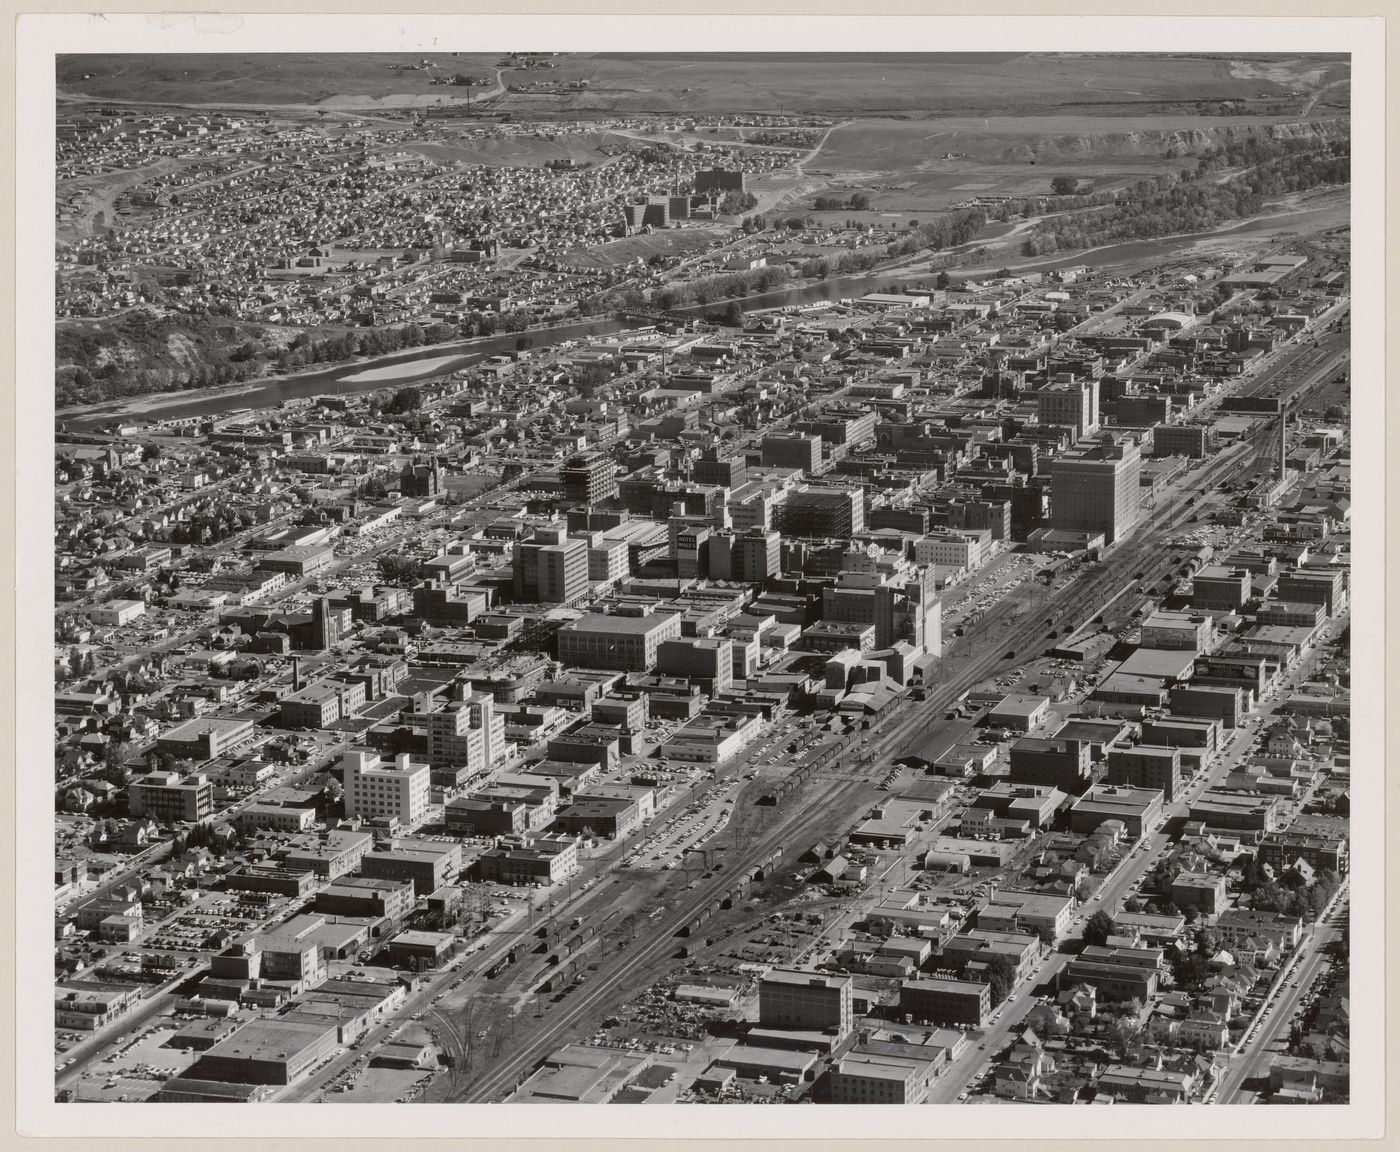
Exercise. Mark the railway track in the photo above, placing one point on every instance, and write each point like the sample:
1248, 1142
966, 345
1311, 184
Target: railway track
645, 959
637, 960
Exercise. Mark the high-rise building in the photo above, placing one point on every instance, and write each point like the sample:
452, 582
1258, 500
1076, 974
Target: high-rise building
377, 790
1094, 488
822, 513
1074, 404
803, 452
589, 478
468, 732
550, 568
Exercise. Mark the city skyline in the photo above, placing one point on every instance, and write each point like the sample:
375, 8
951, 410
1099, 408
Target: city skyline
706, 578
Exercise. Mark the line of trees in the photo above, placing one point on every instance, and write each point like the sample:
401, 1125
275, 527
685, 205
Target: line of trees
1168, 205
856, 202
711, 288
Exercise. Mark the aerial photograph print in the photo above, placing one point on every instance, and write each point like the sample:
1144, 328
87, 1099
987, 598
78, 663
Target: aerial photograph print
700, 578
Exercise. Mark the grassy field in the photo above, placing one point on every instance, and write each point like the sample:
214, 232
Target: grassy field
672, 242
790, 83
879, 145
294, 78
912, 166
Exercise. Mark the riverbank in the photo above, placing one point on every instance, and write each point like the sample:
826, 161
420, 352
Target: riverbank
362, 374
404, 367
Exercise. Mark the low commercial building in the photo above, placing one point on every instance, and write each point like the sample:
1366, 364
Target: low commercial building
330, 855
1177, 630
1044, 915
275, 818
541, 860
1137, 809
117, 613
626, 642
970, 952
419, 950
1228, 705
941, 1000
591, 813
426, 867
1145, 1085
1203, 890
363, 896
206, 738
299, 560
267, 1051
712, 739
87, 1009
1236, 812
866, 1078
1020, 713
168, 797
1116, 973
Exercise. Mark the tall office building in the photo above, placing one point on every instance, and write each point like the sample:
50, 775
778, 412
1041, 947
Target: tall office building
468, 732
550, 568
590, 478
1094, 488
750, 557
823, 513
788, 451
1074, 404
378, 790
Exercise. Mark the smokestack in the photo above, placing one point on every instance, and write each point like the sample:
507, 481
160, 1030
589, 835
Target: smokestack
296, 673
1282, 447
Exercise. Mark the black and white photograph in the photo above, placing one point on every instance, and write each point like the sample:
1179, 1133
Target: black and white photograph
705, 570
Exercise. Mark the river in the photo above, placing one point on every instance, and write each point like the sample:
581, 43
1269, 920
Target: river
442, 358
337, 379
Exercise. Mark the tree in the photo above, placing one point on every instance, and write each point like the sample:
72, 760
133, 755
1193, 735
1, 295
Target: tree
1191, 971
1098, 928
944, 280
1001, 975
1064, 185
405, 400
395, 569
